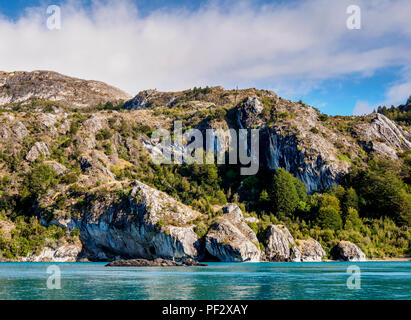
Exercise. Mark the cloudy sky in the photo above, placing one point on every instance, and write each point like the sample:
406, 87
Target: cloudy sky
300, 49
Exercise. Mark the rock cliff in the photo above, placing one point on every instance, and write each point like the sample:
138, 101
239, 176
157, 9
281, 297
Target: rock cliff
230, 239
146, 224
316, 149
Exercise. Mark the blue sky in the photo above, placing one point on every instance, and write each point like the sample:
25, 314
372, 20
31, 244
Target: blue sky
300, 49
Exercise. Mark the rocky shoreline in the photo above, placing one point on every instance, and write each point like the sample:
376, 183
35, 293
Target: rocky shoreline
150, 228
155, 263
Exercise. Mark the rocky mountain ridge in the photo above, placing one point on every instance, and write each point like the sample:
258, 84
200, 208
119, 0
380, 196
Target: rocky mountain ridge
91, 171
20, 88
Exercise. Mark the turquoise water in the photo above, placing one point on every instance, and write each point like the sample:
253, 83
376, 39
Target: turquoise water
326, 280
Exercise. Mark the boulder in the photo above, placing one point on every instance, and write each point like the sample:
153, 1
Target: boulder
39, 148
278, 244
57, 167
308, 250
348, 251
62, 253
20, 130
230, 239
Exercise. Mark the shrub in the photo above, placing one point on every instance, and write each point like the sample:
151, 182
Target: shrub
314, 130
104, 134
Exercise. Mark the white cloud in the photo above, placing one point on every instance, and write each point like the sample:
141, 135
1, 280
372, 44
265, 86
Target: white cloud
220, 44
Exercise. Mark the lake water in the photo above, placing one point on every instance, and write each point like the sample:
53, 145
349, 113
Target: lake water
239, 281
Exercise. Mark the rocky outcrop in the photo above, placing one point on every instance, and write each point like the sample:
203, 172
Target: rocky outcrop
154, 263
22, 87
308, 250
6, 228
38, 149
148, 224
231, 239
62, 253
280, 246
293, 136
148, 98
347, 251
279, 243
57, 167
383, 136
312, 160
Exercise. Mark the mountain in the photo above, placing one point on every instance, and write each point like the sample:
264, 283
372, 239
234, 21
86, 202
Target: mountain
317, 149
20, 88
77, 180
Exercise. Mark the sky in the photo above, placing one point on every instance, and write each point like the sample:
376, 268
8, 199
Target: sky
301, 49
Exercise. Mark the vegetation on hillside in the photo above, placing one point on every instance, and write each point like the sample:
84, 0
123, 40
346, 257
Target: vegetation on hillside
371, 207
400, 114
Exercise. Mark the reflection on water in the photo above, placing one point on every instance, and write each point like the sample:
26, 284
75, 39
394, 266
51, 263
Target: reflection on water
327, 280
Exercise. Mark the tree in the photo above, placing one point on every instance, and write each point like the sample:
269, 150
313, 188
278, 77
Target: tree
382, 192
329, 213
352, 219
284, 196
329, 218
301, 190
39, 180
350, 200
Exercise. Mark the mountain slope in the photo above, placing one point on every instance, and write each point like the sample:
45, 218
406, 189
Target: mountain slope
25, 87
75, 170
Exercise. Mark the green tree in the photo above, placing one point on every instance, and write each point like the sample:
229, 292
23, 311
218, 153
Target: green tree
382, 192
39, 180
329, 218
301, 190
329, 213
352, 219
284, 196
350, 200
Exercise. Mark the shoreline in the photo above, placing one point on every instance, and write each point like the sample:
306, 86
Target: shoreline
402, 259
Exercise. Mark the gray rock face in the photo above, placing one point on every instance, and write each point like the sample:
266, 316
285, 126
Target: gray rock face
283, 152
63, 253
21, 87
383, 136
149, 224
348, 251
307, 251
316, 167
20, 130
295, 139
39, 148
231, 239
249, 110
279, 243
57, 167
147, 98
281, 246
